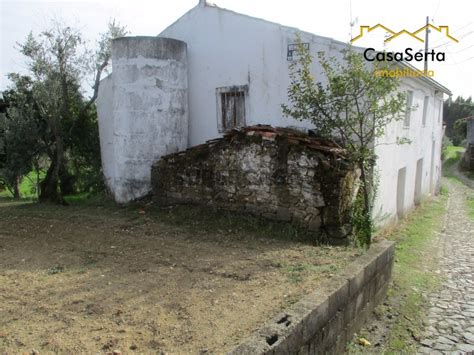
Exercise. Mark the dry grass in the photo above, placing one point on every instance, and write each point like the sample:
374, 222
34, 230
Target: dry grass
91, 278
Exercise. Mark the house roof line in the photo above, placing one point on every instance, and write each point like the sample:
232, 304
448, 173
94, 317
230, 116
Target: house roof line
428, 80
296, 29
179, 19
424, 79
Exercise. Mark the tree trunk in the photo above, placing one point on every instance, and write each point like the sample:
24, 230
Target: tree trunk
37, 181
366, 232
16, 188
66, 180
365, 188
49, 191
49, 186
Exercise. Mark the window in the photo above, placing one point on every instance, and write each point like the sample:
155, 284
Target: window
425, 109
231, 107
292, 52
408, 108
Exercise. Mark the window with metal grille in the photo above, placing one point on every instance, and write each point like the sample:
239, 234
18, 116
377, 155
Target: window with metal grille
231, 107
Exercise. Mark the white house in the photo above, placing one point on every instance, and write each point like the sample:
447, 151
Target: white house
237, 74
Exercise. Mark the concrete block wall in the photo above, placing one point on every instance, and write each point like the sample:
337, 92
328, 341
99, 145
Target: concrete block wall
325, 320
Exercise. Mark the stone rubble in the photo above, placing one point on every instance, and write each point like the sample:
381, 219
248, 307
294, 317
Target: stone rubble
276, 173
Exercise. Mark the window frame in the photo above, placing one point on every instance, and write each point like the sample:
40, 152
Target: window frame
232, 90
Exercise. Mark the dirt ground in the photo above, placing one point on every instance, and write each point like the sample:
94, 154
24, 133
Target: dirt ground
98, 278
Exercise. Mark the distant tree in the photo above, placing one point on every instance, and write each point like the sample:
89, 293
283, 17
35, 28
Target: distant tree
58, 63
454, 111
459, 131
354, 108
22, 133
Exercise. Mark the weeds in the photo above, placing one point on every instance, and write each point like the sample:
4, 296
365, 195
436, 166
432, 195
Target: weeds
56, 269
297, 272
413, 276
470, 206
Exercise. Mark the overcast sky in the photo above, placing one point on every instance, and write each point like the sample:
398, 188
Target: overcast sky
328, 18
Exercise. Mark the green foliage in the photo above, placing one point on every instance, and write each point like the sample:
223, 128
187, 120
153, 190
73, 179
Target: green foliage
443, 191
453, 112
28, 186
402, 313
354, 107
444, 145
459, 131
297, 272
451, 156
411, 275
470, 206
56, 269
49, 123
362, 222
23, 133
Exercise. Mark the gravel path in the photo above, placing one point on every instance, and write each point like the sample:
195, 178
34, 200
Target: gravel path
451, 316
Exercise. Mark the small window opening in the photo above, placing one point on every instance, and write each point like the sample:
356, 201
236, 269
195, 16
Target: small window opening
231, 107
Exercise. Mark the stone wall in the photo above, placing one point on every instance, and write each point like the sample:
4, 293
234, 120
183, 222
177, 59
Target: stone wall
279, 174
468, 159
470, 130
326, 319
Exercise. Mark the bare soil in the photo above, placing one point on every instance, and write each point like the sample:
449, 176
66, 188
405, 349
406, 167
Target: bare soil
98, 278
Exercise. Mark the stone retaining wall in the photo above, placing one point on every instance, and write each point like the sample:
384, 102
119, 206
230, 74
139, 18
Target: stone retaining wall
325, 320
468, 157
279, 174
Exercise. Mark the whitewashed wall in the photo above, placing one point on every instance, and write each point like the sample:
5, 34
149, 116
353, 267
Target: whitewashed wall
142, 110
392, 157
226, 48
106, 129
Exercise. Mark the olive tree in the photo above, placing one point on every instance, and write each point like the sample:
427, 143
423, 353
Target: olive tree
59, 62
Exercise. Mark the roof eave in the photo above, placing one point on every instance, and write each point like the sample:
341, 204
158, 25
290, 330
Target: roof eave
428, 80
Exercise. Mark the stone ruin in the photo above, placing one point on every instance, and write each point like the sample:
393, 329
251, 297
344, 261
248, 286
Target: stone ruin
468, 158
277, 173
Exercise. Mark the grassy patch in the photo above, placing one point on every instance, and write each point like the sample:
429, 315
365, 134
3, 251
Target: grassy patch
298, 272
452, 155
470, 206
400, 317
27, 186
208, 219
56, 269
413, 272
